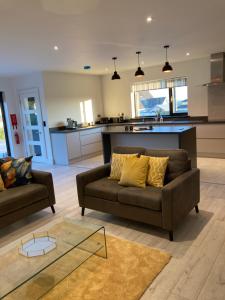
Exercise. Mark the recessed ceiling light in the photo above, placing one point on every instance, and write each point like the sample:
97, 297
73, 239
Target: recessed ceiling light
188, 53
149, 19
87, 67
56, 48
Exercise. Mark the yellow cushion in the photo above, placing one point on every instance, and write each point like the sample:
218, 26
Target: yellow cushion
2, 187
117, 164
134, 171
157, 170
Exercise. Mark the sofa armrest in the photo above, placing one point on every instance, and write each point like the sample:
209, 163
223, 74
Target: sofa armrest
45, 178
89, 176
179, 197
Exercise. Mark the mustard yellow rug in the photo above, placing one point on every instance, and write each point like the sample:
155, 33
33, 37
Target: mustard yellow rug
127, 272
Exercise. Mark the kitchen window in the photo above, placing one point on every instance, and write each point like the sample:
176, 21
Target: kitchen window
164, 97
86, 111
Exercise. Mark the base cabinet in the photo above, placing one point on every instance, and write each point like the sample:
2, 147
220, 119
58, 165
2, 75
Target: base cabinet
211, 140
76, 145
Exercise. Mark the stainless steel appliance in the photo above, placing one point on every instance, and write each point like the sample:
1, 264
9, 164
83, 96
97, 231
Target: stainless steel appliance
71, 124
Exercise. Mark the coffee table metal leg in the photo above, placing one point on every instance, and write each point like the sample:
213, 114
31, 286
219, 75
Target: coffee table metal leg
106, 253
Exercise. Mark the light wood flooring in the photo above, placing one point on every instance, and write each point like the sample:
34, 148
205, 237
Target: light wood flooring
197, 268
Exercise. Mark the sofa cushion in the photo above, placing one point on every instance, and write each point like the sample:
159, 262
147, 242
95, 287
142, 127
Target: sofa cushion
149, 197
129, 150
104, 188
178, 161
21, 196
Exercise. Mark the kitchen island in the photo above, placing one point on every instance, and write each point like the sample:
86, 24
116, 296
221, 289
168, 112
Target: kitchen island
159, 137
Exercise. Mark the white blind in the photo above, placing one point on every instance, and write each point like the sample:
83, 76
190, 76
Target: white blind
159, 84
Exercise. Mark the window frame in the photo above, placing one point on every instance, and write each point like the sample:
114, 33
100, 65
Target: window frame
171, 106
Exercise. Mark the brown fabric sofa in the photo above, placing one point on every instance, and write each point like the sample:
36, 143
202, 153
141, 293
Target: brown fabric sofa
163, 207
21, 201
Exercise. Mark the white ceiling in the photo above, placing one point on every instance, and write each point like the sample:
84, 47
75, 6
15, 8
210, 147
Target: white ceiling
92, 31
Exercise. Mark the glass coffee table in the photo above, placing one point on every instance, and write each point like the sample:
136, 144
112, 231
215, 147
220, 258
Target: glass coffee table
28, 278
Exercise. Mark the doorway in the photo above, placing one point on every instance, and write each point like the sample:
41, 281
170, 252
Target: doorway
33, 124
4, 139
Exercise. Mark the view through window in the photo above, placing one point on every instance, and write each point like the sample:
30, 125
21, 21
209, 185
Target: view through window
151, 101
86, 110
4, 149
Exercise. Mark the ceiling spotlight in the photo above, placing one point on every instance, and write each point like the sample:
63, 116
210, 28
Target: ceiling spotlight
187, 54
87, 67
56, 48
139, 72
149, 19
115, 74
167, 67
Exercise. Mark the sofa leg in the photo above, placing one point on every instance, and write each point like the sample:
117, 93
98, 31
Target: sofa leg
53, 209
82, 211
171, 235
196, 209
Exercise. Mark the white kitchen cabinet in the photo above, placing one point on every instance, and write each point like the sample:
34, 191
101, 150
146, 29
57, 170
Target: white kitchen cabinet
91, 141
211, 140
91, 148
91, 131
65, 147
73, 145
210, 131
90, 138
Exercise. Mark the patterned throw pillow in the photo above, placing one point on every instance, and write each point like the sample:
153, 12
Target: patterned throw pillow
2, 187
117, 164
5, 159
16, 172
157, 170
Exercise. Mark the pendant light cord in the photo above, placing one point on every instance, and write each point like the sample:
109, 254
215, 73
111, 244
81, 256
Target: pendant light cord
115, 64
138, 53
114, 61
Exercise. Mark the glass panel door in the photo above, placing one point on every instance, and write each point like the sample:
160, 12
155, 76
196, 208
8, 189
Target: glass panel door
33, 125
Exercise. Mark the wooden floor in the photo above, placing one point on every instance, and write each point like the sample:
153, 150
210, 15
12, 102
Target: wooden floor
197, 269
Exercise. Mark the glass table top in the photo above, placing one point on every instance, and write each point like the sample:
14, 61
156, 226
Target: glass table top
76, 242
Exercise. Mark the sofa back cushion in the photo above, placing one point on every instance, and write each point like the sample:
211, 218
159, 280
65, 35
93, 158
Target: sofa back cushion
178, 161
129, 150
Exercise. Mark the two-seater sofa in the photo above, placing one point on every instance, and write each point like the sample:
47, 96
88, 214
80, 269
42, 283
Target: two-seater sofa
19, 202
163, 207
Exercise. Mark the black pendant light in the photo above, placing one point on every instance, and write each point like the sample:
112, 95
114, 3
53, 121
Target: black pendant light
115, 74
139, 72
167, 67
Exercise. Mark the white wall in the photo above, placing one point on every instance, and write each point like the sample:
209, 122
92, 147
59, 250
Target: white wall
29, 81
116, 94
63, 93
11, 107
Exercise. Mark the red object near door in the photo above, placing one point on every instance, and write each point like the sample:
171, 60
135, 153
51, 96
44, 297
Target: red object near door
13, 120
17, 138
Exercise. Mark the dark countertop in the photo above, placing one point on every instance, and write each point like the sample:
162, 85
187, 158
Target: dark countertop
154, 130
153, 123
65, 130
